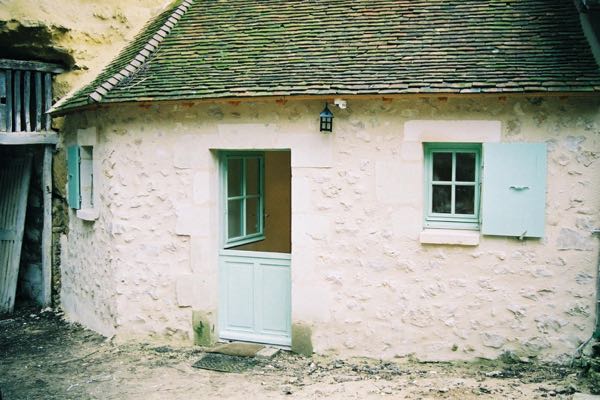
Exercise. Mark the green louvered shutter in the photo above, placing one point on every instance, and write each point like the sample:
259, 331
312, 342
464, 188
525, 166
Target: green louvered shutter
513, 189
74, 196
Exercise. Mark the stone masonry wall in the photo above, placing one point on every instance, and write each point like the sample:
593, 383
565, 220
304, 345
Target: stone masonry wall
362, 281
88, 288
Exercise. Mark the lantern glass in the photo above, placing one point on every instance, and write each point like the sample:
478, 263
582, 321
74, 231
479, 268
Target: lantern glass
326, 117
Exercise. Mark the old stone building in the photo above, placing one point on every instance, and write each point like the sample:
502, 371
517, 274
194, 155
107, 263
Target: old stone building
447, 214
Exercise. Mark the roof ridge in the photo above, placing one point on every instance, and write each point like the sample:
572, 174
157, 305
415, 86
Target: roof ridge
142, 56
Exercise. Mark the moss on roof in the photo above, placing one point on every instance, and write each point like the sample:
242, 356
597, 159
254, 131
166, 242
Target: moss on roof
248, 48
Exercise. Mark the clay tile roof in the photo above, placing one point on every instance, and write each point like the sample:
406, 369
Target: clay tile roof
206, 49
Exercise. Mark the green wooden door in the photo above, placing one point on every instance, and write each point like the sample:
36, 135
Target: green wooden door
254, 297
254, 279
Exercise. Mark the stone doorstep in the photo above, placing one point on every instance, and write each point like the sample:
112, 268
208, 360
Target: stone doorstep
242, 349
267, 353
584, 396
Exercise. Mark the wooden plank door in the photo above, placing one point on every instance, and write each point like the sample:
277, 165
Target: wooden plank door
254, 297
15, 174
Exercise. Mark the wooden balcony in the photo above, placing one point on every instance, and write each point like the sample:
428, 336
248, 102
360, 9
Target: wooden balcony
25, 98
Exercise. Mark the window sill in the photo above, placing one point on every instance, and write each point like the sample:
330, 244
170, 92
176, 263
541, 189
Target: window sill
449, 236
88, 214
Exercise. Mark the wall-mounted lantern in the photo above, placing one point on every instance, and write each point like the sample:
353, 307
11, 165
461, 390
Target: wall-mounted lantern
326, 120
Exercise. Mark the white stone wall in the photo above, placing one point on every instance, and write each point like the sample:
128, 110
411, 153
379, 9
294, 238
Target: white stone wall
361, 278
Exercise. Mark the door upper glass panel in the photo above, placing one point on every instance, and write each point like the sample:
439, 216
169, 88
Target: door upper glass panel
244, 198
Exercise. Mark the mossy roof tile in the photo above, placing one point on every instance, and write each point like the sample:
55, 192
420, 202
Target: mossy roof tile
245, 48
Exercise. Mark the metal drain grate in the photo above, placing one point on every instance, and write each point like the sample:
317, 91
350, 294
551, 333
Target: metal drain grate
224, 363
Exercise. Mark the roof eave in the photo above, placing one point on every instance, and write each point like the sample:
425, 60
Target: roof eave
144, 102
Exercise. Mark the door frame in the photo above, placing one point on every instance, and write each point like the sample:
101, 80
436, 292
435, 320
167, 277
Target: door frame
224, 251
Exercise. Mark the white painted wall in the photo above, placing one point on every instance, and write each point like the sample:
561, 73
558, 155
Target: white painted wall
361, 278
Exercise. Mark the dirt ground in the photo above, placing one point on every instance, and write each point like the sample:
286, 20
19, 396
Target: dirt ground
42, 357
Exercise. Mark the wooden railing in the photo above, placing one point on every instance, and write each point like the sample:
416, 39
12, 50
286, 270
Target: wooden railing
26, 95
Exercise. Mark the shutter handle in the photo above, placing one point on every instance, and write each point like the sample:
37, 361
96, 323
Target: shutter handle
519, 187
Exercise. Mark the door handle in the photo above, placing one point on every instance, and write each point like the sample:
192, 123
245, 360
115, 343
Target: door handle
519, 187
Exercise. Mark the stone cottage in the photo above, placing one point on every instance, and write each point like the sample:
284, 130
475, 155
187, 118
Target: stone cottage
445, 211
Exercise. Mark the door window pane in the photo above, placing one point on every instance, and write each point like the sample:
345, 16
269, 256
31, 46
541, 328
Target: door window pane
244, 202
234, 177
441, 199
465, 167
442, 167
252, 176
465, 200
252, 215
234, 218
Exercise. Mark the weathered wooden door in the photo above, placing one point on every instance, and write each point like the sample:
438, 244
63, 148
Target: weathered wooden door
14, 187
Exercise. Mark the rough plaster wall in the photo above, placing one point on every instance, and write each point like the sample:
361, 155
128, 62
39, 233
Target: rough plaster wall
88, 278
361, 279
150, 259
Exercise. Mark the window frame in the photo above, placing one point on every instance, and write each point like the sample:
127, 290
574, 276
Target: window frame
244, 238
82, 185
453, 220
86, 177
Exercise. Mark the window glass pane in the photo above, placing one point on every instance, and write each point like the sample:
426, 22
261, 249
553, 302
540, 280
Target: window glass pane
465, 200
465, 167
442, 166
234, 218
252, 176
234, 177
441, 199
252, 215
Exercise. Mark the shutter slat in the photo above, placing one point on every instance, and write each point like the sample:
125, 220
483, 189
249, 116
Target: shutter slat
3, 100
38, 101
9, 101
17, 100
27, 100
48, 99
513, 189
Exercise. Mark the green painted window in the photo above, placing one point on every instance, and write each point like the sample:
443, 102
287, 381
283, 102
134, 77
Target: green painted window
452, 172
243, 198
